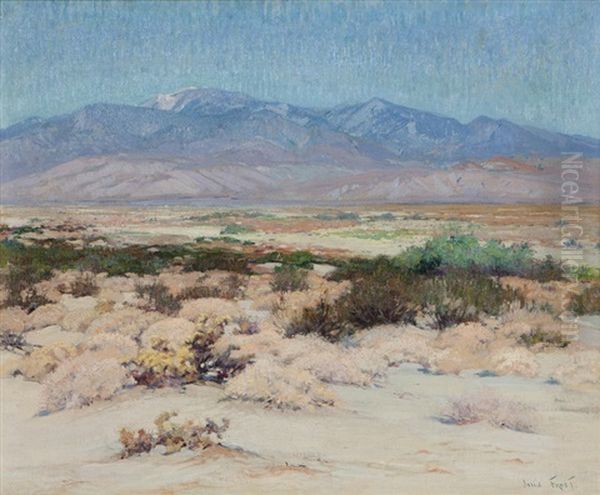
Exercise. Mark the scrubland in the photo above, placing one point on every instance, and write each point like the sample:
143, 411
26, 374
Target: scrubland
169, 350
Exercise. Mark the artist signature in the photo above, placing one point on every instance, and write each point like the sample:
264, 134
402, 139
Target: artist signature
556, 483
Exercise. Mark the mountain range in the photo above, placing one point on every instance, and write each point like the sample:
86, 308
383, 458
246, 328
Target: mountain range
207, 143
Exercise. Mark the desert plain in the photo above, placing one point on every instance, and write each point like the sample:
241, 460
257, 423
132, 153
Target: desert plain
328, 360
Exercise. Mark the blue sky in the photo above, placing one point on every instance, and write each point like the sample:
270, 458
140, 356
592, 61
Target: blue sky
533, 62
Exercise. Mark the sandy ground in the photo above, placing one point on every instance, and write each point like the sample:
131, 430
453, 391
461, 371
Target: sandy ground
381, 439
385, 439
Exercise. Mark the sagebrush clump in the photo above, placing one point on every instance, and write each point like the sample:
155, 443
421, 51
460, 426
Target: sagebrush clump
378, 299
324, 320
83, 379
459, 298
84, 285
172, 436
158, 298
487, 407
289, 278
586, 302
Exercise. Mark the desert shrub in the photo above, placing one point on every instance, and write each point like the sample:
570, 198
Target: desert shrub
198, 291
161, 365
25, 229
289, 278
235, 229
20, 288
378, 299
79, 381
545, 271
355, 268
331, 362
545, 338
584, 273
84, 285
42, 361
226, 239
209, 365
442, 254
41, 257
487, 407
196, 360
324, 320
587, 301
461, 297
513, 361
216, 259
158, 298
582, 369
399, 344
298, 259
112, 345
342, 215
12, 341
465, 252
232, 287
276, 385
173, 436
386, 217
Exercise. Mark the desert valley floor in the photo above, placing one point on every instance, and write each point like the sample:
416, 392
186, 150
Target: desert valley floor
226, 314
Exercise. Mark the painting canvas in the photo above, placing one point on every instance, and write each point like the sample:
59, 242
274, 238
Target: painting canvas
293, 247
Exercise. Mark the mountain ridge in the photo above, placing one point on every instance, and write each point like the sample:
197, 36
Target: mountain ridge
196, 133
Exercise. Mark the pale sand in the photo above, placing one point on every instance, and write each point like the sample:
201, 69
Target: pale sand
380, 440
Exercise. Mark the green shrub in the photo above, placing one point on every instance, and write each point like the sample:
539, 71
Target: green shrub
216, 259
586, 302
456, 252
235, 229
25, 229
584, 273
356, 268
299, 259
159, 298
289, 278
20, 288
464, 252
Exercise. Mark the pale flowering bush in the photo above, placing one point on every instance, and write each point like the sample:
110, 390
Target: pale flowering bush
174, 331
487, 407
514, 361
127, 321
79, 381
333, 363
583, 369
44, 360
112, 345
276, 385
399, 344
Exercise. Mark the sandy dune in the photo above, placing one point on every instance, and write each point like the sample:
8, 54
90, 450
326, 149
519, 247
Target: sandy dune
385, 439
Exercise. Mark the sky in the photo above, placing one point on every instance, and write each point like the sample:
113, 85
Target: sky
533, 62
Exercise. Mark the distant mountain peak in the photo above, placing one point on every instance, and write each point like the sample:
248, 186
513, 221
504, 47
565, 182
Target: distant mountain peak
215, 100
207, 127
